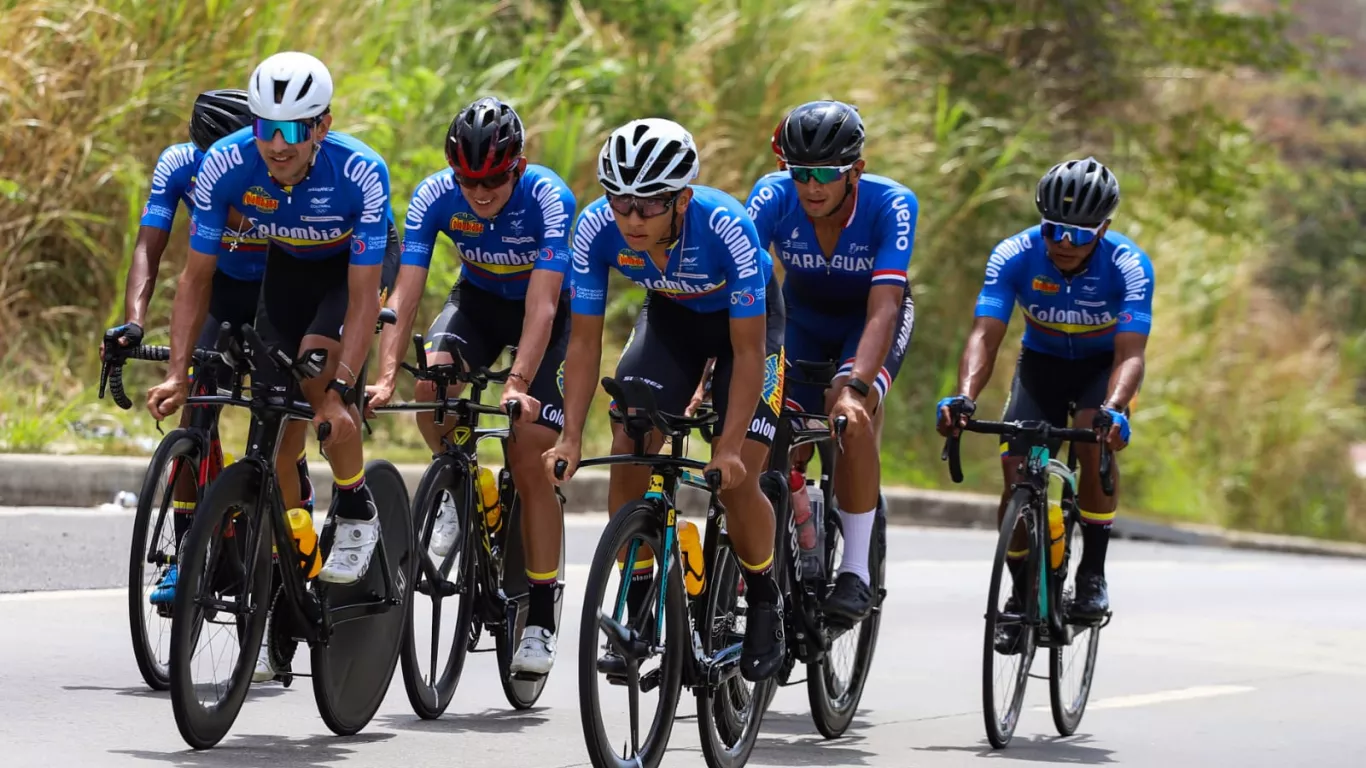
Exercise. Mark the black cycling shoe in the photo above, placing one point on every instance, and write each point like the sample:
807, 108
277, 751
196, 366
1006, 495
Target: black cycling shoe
1008, 635
1092, 600
850, 600
611, 663
764, 649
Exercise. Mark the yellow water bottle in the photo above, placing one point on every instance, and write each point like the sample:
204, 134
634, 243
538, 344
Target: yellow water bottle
694, 577
1055, 533
488, 500
305, 537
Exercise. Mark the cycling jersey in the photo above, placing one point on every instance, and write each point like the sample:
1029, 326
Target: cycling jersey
498, 254
874, 248
1070, 317
717, 263
241, 256
342, 204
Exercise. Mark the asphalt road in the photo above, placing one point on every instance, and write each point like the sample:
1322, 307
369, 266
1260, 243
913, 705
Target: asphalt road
1215, 657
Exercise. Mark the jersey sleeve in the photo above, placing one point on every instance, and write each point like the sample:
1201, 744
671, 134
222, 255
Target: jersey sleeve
999, 287
425, 214
765, 208
588, 279
171, 177
556, 205
896, 239
369, 180
1136, 281
744, 261
220, 175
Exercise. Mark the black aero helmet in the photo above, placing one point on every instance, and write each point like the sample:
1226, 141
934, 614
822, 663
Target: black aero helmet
821, 133
484, 139
217, 114
1080, 192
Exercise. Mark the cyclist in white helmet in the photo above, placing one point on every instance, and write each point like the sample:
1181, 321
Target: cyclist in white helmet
710, 294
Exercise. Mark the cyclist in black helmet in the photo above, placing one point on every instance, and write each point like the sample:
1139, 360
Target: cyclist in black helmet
509, 222
1086, 293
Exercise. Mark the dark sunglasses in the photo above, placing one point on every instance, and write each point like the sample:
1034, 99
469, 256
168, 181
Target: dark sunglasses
491, 181
293, 131
645, 207
822, 174
1077, 235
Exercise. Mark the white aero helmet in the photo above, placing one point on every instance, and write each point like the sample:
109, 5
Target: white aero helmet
648, 157
290, 86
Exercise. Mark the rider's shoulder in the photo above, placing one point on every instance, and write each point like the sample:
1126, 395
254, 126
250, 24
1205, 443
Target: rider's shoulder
437, 184
595, 224
711, 199
349, 150
884, 189
539, 175
1118, 247
1023, 242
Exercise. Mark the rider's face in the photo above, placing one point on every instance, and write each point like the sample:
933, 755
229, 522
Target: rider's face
289, 163
818, 199
1068, 257
642, 232
487, 201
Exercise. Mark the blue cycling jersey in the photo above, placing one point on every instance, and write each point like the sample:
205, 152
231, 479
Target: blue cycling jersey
241, 256
1071, 317
874, 248
498, 254
717, 264
342, 203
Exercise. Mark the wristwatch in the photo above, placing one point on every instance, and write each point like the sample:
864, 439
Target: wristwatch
341, 388
857, 386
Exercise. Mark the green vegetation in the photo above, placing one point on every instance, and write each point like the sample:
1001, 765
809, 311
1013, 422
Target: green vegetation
1250, 399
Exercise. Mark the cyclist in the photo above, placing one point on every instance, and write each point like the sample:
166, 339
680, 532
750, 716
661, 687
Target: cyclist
1086, 293
320, 199
709, 294
509, 221
845, 239
236, 282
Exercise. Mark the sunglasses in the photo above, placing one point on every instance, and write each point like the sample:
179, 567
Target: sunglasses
646, 207
293, 131
491, 181
822, 174
1077, 235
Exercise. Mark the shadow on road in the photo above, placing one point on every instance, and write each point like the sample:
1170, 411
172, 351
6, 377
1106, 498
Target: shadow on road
1070, 750
143, 692
263, 750
488, 721
799, 743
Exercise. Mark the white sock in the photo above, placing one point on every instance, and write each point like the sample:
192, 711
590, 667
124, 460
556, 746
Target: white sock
858, 533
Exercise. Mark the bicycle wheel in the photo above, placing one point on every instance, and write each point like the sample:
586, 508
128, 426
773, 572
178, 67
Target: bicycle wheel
1069, 683
729, 715
154, 547
521, 693
353, 669
834, 686
1002, 699
638, 522
431, 683
223, 586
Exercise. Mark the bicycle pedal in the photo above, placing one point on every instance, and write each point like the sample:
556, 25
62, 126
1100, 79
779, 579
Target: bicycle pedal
528, 677
649, 681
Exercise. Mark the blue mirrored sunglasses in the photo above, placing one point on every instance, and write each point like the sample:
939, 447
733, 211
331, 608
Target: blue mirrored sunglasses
1052, 230
293, 131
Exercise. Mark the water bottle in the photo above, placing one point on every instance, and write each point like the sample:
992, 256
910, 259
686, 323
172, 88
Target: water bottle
305, 537
488, 500
803, 516
813, 560
1055, 533
690, 544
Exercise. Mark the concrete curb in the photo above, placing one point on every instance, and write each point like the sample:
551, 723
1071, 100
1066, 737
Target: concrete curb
86, 481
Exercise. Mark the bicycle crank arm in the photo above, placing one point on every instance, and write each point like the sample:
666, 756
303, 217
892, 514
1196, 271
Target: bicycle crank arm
626, 642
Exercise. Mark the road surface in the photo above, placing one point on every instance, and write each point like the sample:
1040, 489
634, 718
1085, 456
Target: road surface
1215, 657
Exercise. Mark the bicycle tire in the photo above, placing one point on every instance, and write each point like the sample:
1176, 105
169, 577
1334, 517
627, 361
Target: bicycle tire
521, 694
353, 669
728, 716
636, 519
1000, 730
831, 711
1067, 716
236, 488
181, 444
430, 700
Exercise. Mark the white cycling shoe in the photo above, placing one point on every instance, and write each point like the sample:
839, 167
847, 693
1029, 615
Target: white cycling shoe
536, 653
446, 531
352, 548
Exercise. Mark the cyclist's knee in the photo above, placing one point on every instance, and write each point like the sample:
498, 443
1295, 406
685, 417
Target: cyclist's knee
424, 391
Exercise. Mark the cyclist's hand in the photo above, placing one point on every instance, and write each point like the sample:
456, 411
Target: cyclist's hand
965, 407
126, 335
563, 450
732, 468
531, 407
1118, 438
165, 399
377, 395
339, 415
854, 409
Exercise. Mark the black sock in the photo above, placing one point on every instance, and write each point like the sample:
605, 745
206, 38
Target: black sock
353, 501
638, 592
1095, 540
182, 517
305, 485
760, 586
541, 602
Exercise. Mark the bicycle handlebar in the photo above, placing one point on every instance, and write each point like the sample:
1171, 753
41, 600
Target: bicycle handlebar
1036, 432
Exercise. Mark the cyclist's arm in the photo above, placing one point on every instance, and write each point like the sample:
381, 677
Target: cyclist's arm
542, 297
1132, 329
884, 306
895, 241
189, 310
747, 337
174, 171
393, 342
1127, 374
362, 309
582, 364
995, 302
979, 355
142, 273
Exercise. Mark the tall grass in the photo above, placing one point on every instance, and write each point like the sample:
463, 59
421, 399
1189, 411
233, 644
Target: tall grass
1244, 417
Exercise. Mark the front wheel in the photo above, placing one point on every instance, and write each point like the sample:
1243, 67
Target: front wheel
521, 693
1010, 640
1072, 666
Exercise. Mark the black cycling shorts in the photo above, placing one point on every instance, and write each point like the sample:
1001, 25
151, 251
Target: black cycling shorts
669, 347
815, 335
1047, 388
480, 325
234, 302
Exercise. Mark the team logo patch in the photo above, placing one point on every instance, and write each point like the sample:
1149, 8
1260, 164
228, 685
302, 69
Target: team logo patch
1046, 286
744, 298
773, 379
628, 258
1125, 317
357, 246
547, 254
466, 224
258, 198
559, 378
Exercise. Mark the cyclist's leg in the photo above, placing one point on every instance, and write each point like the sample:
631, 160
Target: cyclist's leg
1040, 391
805, 338
461, 327
1097, 509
